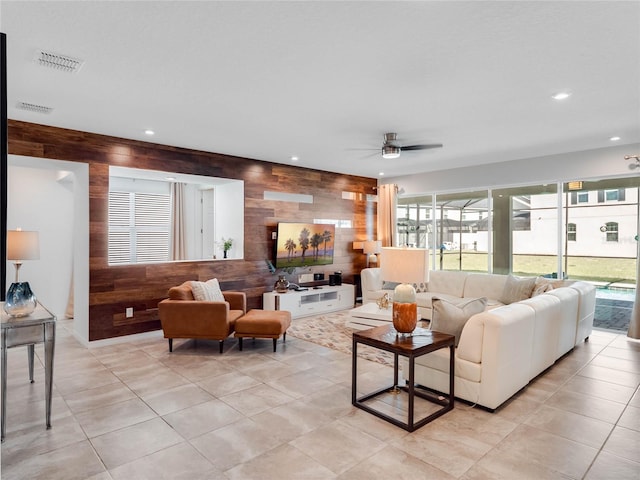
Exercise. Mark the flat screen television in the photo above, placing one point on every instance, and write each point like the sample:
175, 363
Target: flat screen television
304, 244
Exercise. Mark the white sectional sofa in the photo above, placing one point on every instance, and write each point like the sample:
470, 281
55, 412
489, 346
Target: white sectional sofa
503, 348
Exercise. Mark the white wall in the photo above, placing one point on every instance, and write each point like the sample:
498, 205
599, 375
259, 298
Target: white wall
52, 197
585, 165
229, 220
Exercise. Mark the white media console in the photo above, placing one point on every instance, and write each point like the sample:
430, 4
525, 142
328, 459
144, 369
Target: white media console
313, 301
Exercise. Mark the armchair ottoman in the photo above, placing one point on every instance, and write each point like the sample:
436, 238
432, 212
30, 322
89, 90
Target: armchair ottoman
263, 324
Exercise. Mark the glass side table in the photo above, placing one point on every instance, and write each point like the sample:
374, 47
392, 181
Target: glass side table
38, 327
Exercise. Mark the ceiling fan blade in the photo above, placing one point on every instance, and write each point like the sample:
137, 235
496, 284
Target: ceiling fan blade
421, 147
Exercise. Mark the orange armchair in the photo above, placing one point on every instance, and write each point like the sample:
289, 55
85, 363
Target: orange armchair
182, 316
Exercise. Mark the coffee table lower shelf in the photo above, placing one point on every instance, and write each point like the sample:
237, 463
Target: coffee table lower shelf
422, 342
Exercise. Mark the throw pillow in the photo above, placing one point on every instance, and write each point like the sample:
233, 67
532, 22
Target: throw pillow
208, 291
447, 317
421, 287
389, 285
516, 289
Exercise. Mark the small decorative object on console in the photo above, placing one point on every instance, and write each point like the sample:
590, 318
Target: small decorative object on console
384, 301
281, 285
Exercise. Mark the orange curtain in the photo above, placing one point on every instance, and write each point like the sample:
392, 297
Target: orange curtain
387, 196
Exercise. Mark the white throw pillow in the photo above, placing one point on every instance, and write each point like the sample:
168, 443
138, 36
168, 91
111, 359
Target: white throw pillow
208, 291
447, 317
516, 289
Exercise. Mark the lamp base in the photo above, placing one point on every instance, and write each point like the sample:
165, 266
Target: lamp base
20, 300
405, 317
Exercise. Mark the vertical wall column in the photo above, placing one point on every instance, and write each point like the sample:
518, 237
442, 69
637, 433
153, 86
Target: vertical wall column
502, 247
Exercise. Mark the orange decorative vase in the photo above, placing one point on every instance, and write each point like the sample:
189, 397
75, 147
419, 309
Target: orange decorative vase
405, 308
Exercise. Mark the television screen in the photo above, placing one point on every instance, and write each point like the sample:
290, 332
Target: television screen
304, 244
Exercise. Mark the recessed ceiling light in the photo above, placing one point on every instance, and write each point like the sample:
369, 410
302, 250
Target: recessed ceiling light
614, 139
381, 174
294, 158
561, 95
170, 179
149, 132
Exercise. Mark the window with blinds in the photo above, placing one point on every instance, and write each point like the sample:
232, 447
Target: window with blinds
139, 226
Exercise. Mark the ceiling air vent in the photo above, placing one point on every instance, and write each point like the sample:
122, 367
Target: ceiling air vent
32, 107
63, 63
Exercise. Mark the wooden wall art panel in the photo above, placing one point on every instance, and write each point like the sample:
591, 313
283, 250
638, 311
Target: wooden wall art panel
112, 289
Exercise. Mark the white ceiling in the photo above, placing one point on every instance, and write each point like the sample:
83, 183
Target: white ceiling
325, 80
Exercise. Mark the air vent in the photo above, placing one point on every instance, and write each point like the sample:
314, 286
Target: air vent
63, 63
32, 107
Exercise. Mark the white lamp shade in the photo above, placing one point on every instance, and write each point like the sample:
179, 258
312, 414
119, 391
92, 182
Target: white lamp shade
405, 265
22, 245
372, 246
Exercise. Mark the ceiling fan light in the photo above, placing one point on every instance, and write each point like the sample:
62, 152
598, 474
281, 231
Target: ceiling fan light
390, 151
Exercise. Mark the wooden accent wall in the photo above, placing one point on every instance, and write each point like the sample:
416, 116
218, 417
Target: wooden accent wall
112, 289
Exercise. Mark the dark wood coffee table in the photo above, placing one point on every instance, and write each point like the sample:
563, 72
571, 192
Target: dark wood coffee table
421, 342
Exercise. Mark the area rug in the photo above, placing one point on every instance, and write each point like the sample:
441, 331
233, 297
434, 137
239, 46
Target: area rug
330, 330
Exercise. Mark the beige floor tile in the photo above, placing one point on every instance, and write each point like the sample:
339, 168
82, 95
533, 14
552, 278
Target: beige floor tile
593, 407
599, 388
448, 446
176, 398
228, 383
624, 443
134, 442
26, 414
291, 420
77, 383
623, 353
532, 448
256, 399
108, 418
337, 446
77, 461
180, 461
195, 368
497, 466
334, 401
607, 465
98, 397
572, 426
630, 419
396, 464
635, 400
611, 375
21, 445
300, 384
156, 382
283, 462
236, 443
202, 418
269, 370
631, 365
372, 425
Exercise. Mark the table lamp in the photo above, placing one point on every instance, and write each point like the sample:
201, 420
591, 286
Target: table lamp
407, 266
371, 248
21, 245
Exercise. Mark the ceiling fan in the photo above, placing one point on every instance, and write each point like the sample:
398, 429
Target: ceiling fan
391, 148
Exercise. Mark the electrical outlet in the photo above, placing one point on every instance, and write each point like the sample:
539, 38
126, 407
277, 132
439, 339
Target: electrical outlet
274, 235
128, 312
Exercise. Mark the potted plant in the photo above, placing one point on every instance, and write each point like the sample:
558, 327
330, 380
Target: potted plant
226, 245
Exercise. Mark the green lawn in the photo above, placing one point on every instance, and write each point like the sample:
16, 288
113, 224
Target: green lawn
599, 269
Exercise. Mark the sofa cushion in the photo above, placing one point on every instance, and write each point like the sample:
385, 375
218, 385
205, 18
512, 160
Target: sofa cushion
516, 289
484, 285
208, 291
451, 318
389, 285
446, 281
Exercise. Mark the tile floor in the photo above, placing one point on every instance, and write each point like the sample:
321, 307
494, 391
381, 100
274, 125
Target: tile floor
134, 411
